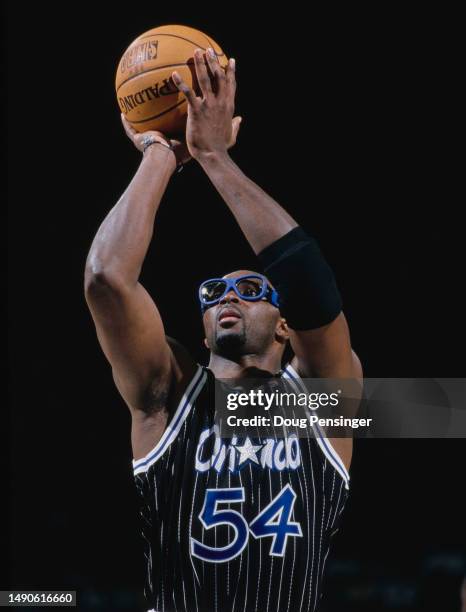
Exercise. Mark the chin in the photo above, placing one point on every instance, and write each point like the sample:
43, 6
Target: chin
230, 343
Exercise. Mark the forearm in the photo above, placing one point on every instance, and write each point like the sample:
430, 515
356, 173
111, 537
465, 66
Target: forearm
122, 241
289, 257
259, 216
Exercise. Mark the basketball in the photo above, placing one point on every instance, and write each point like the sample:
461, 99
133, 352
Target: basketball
145, 90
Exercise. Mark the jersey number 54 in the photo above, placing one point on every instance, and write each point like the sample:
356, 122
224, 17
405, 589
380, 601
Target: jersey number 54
273, 521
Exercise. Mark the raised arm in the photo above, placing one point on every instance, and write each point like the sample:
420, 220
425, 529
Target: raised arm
319, 336
128, 324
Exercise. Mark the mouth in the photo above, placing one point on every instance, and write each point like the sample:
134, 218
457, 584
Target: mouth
228, 317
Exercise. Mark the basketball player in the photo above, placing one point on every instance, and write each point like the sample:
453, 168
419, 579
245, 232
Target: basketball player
239, 523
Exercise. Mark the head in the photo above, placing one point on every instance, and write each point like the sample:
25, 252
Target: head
235, 327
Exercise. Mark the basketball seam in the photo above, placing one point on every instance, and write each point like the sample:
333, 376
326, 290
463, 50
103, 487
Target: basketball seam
173, 36
209, 41
146, 71
168, 65
150, 70
159, 115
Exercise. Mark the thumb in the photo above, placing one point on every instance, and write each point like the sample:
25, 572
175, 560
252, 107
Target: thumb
235, 124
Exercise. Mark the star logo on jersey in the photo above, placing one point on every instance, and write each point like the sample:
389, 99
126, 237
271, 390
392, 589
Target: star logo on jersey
248, 451
213, 452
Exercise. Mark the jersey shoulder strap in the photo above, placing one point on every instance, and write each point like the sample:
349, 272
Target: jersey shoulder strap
290, 374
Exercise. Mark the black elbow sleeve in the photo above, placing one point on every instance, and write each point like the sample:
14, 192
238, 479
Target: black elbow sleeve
306, 287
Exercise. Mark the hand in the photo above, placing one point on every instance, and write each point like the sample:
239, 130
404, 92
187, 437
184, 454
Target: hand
211, 127
179, 148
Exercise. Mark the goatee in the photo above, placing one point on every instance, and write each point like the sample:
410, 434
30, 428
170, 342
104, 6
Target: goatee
230, 345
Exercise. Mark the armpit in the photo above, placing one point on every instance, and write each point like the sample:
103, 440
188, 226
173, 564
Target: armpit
156, 397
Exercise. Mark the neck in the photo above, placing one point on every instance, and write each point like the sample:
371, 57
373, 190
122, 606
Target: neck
246, 365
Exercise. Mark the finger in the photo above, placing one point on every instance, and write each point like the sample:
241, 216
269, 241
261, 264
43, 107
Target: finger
130, 131
181, 85
235, 125
230, 77
202, 74
216, 69
161, 136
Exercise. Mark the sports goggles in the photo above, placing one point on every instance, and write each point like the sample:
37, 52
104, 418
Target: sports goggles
250, 287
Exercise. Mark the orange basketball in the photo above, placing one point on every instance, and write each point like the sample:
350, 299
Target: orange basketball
145, 90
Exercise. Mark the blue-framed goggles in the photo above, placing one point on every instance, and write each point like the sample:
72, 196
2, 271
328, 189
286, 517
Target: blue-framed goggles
249, 287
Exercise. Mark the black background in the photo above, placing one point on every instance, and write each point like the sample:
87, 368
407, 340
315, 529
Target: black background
348, 122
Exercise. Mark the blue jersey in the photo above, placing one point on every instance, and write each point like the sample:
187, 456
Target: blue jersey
237, 524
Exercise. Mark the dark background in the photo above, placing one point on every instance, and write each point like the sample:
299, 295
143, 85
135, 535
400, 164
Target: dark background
348, 121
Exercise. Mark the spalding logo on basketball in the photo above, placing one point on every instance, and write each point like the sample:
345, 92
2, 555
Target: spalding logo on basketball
145, 90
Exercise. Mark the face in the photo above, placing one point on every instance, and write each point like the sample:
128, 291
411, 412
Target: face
235, 327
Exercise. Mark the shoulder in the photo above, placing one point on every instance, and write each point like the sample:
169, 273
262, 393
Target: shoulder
180, 354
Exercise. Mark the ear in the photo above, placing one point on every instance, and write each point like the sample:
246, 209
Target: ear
282, 333
206, 344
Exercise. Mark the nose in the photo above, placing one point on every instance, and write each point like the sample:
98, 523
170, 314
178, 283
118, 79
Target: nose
229, 297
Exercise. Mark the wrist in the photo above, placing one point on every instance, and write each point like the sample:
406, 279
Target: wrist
212, 158
157, 152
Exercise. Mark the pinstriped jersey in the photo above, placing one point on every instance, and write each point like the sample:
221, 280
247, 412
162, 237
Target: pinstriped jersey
236, 524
